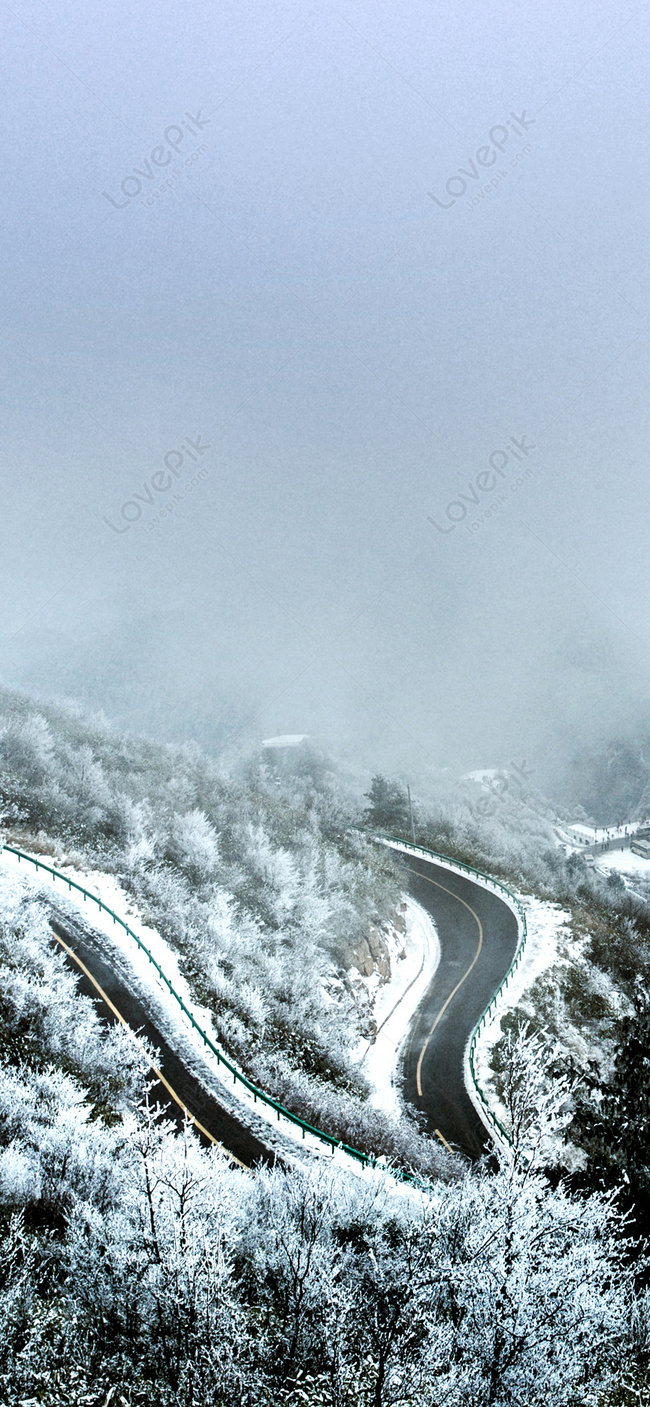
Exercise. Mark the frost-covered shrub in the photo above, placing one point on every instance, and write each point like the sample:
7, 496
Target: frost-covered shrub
257, 878
136, 1267
65, 1078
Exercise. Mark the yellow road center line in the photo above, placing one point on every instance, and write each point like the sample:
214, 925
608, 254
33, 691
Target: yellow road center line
418, 1072
158, 1073
443, 1140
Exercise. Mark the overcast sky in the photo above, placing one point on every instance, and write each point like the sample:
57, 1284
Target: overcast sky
325, 386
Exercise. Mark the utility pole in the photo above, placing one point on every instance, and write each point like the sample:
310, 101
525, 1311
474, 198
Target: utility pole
411, 812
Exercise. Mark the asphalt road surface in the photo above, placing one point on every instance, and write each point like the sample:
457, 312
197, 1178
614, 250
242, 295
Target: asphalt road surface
175, 1088
478, 940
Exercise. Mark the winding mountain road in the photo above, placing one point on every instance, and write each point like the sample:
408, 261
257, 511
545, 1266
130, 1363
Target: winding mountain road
175, 1088
478, 936
478, 940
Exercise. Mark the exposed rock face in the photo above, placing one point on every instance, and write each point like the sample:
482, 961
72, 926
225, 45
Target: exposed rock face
399, 918
371, 954
362, 956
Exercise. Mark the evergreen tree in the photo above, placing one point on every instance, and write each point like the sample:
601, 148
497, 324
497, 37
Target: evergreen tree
388, 809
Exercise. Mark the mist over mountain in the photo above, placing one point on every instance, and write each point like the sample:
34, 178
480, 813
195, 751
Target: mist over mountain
325, 705
305, 429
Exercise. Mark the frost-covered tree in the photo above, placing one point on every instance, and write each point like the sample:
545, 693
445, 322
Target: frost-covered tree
194, 843
134, 1264
260, 881
544, 1286
388, 808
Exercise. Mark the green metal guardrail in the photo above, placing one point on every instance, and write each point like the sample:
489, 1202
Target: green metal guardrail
520, 914
363, 1158
222, 1059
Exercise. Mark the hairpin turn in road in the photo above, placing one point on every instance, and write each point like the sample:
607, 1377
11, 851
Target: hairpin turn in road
478, 940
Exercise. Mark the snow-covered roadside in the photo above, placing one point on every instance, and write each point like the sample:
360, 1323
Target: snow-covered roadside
546, 925
395, 1004
283, 1136
625, 862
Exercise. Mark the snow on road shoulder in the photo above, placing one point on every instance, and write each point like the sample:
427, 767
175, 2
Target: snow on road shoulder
283, 1136
396, 1003
406, 986
546, 926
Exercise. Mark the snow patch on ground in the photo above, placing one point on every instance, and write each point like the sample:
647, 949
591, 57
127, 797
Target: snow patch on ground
576, 836
625, 862
547, 930
414, 959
